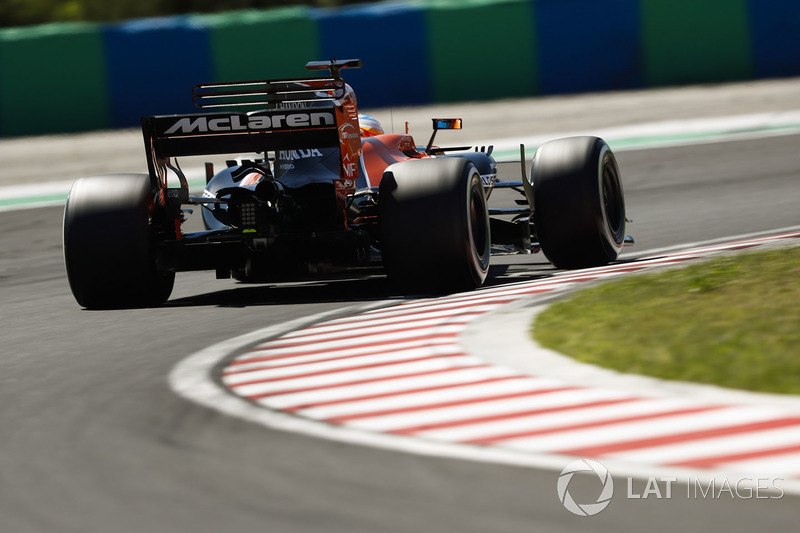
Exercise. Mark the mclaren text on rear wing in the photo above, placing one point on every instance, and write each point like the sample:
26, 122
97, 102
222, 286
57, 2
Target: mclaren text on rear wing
223, 133
263, 122
293, 114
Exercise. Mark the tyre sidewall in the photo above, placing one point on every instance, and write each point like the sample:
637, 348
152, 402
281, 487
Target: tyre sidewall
478, 250
612, 238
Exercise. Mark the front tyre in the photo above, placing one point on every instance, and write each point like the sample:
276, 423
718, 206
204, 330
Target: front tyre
109, 243
434, 225
579, 211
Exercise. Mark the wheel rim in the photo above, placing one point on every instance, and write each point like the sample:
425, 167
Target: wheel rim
478, 224
612, 198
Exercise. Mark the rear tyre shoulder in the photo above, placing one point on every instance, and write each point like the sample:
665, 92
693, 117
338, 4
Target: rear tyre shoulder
110, 249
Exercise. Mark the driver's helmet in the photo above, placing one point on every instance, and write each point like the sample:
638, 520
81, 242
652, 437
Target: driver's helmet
369, 126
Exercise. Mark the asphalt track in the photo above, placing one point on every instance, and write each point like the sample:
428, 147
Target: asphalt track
94, 440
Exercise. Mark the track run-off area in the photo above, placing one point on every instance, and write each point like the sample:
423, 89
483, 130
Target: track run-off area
382, 376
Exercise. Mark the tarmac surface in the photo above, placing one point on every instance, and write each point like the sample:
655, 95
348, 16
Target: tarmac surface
95, 440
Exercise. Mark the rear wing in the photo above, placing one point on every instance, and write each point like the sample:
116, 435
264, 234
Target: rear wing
224, 133
299, 113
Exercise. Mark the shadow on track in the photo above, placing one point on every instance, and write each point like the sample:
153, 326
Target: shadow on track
345, 290
367, 289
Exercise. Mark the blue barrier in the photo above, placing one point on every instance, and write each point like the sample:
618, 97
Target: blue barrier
152, 65
586, 45
775, 37
391, 39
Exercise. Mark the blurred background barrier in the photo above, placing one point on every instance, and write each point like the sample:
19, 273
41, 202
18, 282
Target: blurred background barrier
481, 49
53, 78
151, 65
77, 76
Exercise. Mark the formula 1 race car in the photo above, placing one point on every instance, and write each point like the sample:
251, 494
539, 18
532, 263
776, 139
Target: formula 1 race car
318, 200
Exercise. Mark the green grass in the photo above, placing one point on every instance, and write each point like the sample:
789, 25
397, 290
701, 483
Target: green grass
732, 321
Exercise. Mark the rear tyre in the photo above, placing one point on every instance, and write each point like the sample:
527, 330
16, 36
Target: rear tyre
109, 243
579, 211
434, 225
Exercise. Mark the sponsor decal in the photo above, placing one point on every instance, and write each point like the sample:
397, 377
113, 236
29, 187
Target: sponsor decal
350, 166
351, 110
350, 140
287, 156
291, 155
488, 180
235, 123
348, 132
406, 144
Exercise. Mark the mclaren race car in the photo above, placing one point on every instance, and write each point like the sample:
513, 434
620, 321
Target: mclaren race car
316, 199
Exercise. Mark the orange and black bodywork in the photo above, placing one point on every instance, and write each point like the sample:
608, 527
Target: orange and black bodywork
318, 200
308, 205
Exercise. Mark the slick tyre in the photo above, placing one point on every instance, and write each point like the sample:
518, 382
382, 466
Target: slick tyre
579, 206
434, 225
109, 244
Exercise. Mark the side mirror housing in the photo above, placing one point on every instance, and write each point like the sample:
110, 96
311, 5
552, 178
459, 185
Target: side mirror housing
442, 124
